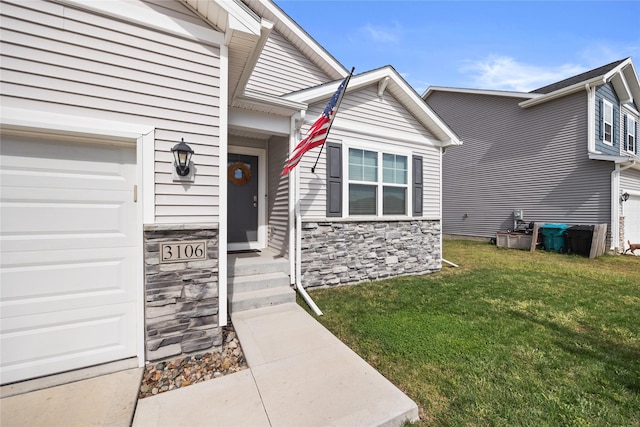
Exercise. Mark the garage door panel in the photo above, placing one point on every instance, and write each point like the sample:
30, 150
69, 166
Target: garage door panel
69, 235
632, 219
59, 284
49, 219
50, 158
31, 345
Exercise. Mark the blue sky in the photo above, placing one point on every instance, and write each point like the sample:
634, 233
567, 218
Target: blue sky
504, 45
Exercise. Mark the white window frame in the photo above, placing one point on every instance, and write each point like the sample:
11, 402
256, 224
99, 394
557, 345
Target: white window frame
379, 183
631, 134
606, 104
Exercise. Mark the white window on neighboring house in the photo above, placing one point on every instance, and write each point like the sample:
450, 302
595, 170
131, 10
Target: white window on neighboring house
378, 183
607, 122
631, 136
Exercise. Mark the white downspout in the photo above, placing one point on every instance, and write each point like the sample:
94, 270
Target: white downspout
292, 205
615, 204
295, 237
591, 119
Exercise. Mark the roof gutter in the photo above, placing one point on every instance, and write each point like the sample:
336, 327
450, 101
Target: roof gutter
596, 81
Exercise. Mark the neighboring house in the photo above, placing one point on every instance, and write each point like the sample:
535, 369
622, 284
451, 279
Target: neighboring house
564, 153
108, 254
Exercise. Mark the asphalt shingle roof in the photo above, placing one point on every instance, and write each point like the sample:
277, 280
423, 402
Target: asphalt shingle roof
579, 78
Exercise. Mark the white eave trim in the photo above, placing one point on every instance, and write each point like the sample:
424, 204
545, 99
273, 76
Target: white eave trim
596, 81
282, 18
147, 17
394, 83
610, 158
274, 101
505, 93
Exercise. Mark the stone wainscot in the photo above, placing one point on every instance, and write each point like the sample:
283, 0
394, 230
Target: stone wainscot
348, 251
181, 298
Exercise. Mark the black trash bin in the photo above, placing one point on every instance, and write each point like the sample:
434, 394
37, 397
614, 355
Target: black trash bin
579, 239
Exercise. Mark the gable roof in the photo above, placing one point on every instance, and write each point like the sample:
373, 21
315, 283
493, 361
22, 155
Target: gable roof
506, 93
297, 36
596, 72
387, 78
621, 74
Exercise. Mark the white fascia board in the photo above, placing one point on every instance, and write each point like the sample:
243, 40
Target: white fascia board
610, 158
504, 93
280, 102
622, 89
596, 81
265, 31
421, 110
631, 77
148, 17
302, 35
253, 120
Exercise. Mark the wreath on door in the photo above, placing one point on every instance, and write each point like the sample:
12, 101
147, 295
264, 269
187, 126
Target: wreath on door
239, 173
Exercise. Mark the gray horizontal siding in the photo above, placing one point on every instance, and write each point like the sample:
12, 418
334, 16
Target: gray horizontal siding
282, 68
512, 158
71, 61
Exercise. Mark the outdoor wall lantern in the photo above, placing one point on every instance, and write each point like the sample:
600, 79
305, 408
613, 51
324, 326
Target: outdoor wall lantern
182, 155
624, 197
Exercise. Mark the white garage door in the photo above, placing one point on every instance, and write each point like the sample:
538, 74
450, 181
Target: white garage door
632, 220
68, 255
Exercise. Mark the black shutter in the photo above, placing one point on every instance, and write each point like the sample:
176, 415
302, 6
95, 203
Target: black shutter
417, 185
334, 179
601, 126
635, 140
616, 134
624, 134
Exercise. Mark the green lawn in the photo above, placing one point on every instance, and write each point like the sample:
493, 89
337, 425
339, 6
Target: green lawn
510, 338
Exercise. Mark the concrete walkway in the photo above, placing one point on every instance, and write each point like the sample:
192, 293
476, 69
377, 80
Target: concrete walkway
106, 400
300, 375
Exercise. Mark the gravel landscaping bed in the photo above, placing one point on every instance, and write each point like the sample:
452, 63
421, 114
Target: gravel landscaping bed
172, 374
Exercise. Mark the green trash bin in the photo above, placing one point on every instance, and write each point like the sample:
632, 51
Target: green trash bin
553, 237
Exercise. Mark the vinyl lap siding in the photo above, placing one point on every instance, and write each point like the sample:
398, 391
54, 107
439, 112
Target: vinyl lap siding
282, 68
278, 191
70, 61
533, 159
363, 110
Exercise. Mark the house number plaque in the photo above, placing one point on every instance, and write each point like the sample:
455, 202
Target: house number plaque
183, 251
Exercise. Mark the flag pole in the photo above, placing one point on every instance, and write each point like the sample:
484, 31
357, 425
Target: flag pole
313, 169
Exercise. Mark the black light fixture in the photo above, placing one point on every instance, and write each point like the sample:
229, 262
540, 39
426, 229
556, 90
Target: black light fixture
624, 197
182, 155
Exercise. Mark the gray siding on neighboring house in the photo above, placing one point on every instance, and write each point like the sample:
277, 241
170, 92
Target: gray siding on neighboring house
533, 159
61, 59
282, 68
363, 118
606, 92
278, 197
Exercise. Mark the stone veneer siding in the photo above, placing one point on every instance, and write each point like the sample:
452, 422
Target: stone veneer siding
347, 251
181, 299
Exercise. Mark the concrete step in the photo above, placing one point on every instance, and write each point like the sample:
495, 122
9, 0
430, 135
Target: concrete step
243, 301
238, 266
256, 282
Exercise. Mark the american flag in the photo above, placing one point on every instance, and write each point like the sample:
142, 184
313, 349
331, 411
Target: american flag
317, 134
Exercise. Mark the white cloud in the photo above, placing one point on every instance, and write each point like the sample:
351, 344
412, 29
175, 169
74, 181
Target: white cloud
504, 73
381, 34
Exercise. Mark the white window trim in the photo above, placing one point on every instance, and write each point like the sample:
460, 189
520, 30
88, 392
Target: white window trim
631, 131
379, 184
606, 103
